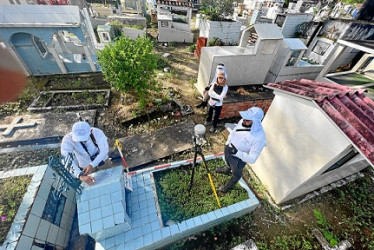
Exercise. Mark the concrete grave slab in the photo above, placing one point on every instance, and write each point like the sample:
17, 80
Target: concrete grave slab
145, 148
35, 222
47, 126
17, 123
147, 231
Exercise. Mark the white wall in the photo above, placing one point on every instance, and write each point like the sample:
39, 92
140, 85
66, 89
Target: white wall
301, 141
294, 73
228, 32
289, 25
181, 26
174, 35
345, 58
316, 57
353, 166
133, 33
243, 66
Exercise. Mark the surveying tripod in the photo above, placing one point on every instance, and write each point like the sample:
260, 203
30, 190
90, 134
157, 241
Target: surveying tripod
197, 151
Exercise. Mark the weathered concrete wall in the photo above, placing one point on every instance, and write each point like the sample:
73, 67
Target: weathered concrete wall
334, 29
353, 166
133, 33
345, 58
228, 32
181, 26
301, 142
294, 73
359, 31
130, 19
279, 71
101, 10
243, 66
98, 21
316, 56
292, 20
174, 35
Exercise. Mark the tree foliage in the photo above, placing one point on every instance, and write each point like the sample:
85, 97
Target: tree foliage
129, 65
117, 27
217, 10
353, 1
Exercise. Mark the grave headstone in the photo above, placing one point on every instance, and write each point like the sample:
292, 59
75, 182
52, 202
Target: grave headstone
102, 206
46, 125
148, 147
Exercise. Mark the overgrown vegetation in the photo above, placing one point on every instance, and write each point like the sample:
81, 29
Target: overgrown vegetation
215, 42
217, 10
325, 228
117, 27
192, 48
177, 204
31, 91
353, 1
12, 192
346, 213
129, 65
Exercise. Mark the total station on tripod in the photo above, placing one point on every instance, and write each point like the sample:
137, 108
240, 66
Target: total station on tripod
199, 133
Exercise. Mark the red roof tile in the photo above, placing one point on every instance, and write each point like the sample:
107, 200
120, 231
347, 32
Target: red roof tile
347, 107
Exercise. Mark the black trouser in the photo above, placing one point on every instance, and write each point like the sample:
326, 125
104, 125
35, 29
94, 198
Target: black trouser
217, 112
236, 165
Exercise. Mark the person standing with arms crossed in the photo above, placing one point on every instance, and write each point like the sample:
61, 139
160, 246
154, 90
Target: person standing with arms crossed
217, 92
204, 103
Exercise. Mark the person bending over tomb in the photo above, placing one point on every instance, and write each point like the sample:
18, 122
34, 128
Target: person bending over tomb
90, 148
204, 103
217, 92
243, 145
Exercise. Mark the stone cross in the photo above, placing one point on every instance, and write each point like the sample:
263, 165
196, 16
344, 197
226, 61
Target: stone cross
16, 124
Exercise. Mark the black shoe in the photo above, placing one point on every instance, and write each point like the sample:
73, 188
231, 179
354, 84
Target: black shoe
223, 171
228, 186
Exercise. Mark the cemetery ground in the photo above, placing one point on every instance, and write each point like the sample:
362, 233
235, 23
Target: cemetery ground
344, 213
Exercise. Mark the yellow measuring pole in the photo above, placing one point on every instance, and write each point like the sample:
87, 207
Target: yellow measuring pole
212, 184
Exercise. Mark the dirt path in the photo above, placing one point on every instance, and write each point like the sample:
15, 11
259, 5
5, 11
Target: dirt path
185, 67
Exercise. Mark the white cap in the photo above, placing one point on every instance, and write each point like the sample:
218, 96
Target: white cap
253, 114
81, 131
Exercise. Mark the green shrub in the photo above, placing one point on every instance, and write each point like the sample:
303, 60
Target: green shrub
129, 65
117, 27
217, 10
192, 48
215, 42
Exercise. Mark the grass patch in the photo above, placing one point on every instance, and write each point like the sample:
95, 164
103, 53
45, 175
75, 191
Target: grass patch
175, 202
13, 190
